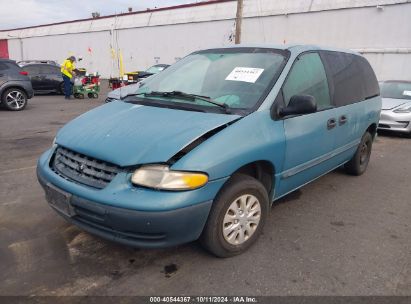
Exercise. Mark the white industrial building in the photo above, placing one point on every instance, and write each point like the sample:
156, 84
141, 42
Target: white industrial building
380, 29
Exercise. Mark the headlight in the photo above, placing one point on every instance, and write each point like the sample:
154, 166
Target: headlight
161, 177
403, 109
54, 144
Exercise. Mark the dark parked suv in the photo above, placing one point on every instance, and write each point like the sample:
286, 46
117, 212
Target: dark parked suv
45, 78
15, 86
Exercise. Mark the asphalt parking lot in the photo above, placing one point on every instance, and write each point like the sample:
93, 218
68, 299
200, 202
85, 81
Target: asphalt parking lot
340, 235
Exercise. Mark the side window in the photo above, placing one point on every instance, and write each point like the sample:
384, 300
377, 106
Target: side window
347, 78
3, 66
31, 69
50, 70
308, 77
372, 88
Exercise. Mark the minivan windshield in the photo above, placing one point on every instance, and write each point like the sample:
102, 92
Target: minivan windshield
396, 89
218, 79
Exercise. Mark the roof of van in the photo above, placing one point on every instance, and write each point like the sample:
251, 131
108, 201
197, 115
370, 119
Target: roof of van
294, 48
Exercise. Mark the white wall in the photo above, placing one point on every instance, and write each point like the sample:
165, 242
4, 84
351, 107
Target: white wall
366, 29
356, 24
142, 45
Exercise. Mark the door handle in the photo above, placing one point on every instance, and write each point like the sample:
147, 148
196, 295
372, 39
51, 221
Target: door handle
331, 123
343, 119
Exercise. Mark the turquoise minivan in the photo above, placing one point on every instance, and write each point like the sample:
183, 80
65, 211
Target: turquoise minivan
202, 150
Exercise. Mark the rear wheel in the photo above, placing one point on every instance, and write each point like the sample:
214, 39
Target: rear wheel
359, 162
14, 99
237, 217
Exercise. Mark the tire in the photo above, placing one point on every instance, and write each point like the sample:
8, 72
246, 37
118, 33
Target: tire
227, 211
359, 162
90, 95
14, 99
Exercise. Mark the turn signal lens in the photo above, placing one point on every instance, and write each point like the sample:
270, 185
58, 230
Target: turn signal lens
161, 177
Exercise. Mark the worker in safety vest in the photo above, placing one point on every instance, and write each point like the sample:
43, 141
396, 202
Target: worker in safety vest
67, 71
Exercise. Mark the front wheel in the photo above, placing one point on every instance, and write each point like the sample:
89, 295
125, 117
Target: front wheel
14, 99
237, 217
359, 162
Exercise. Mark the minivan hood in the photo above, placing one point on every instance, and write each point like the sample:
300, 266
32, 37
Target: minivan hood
391, 103
127, 134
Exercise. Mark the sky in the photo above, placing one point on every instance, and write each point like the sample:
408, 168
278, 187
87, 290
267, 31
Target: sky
22, 13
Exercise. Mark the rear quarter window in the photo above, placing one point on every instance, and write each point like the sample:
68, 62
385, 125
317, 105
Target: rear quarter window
3, 66
347, 79
10, 67
7, 65
372, 88
13, 66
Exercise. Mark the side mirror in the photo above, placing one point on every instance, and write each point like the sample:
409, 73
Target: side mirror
298, 105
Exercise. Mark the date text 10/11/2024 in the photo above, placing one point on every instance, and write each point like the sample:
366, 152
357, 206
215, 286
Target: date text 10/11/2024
204, 299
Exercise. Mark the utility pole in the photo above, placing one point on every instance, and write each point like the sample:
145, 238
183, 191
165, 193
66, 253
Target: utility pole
238, 21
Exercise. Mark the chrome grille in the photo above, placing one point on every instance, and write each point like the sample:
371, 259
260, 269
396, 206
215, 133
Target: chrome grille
83, 169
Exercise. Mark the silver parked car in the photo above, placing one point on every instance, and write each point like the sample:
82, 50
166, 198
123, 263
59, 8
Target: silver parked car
396, 106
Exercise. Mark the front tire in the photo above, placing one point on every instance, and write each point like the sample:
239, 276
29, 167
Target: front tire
14, 99
359, 162
237, 217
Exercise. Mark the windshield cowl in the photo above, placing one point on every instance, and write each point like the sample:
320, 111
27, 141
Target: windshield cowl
161, 102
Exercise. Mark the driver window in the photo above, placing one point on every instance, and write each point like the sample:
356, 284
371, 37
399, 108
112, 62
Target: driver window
308, 77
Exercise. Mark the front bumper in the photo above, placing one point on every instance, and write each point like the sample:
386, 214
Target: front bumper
398, 122
176, 220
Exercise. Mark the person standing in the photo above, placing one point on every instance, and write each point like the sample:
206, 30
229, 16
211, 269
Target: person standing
67, 71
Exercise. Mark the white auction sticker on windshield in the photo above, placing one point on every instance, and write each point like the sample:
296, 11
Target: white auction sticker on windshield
407, 93
245, 74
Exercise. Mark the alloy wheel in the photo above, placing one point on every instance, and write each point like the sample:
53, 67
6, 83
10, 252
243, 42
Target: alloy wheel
15, 100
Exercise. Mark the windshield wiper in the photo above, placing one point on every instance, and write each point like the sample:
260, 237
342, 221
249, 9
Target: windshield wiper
130, 95
187, 96
183, 95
